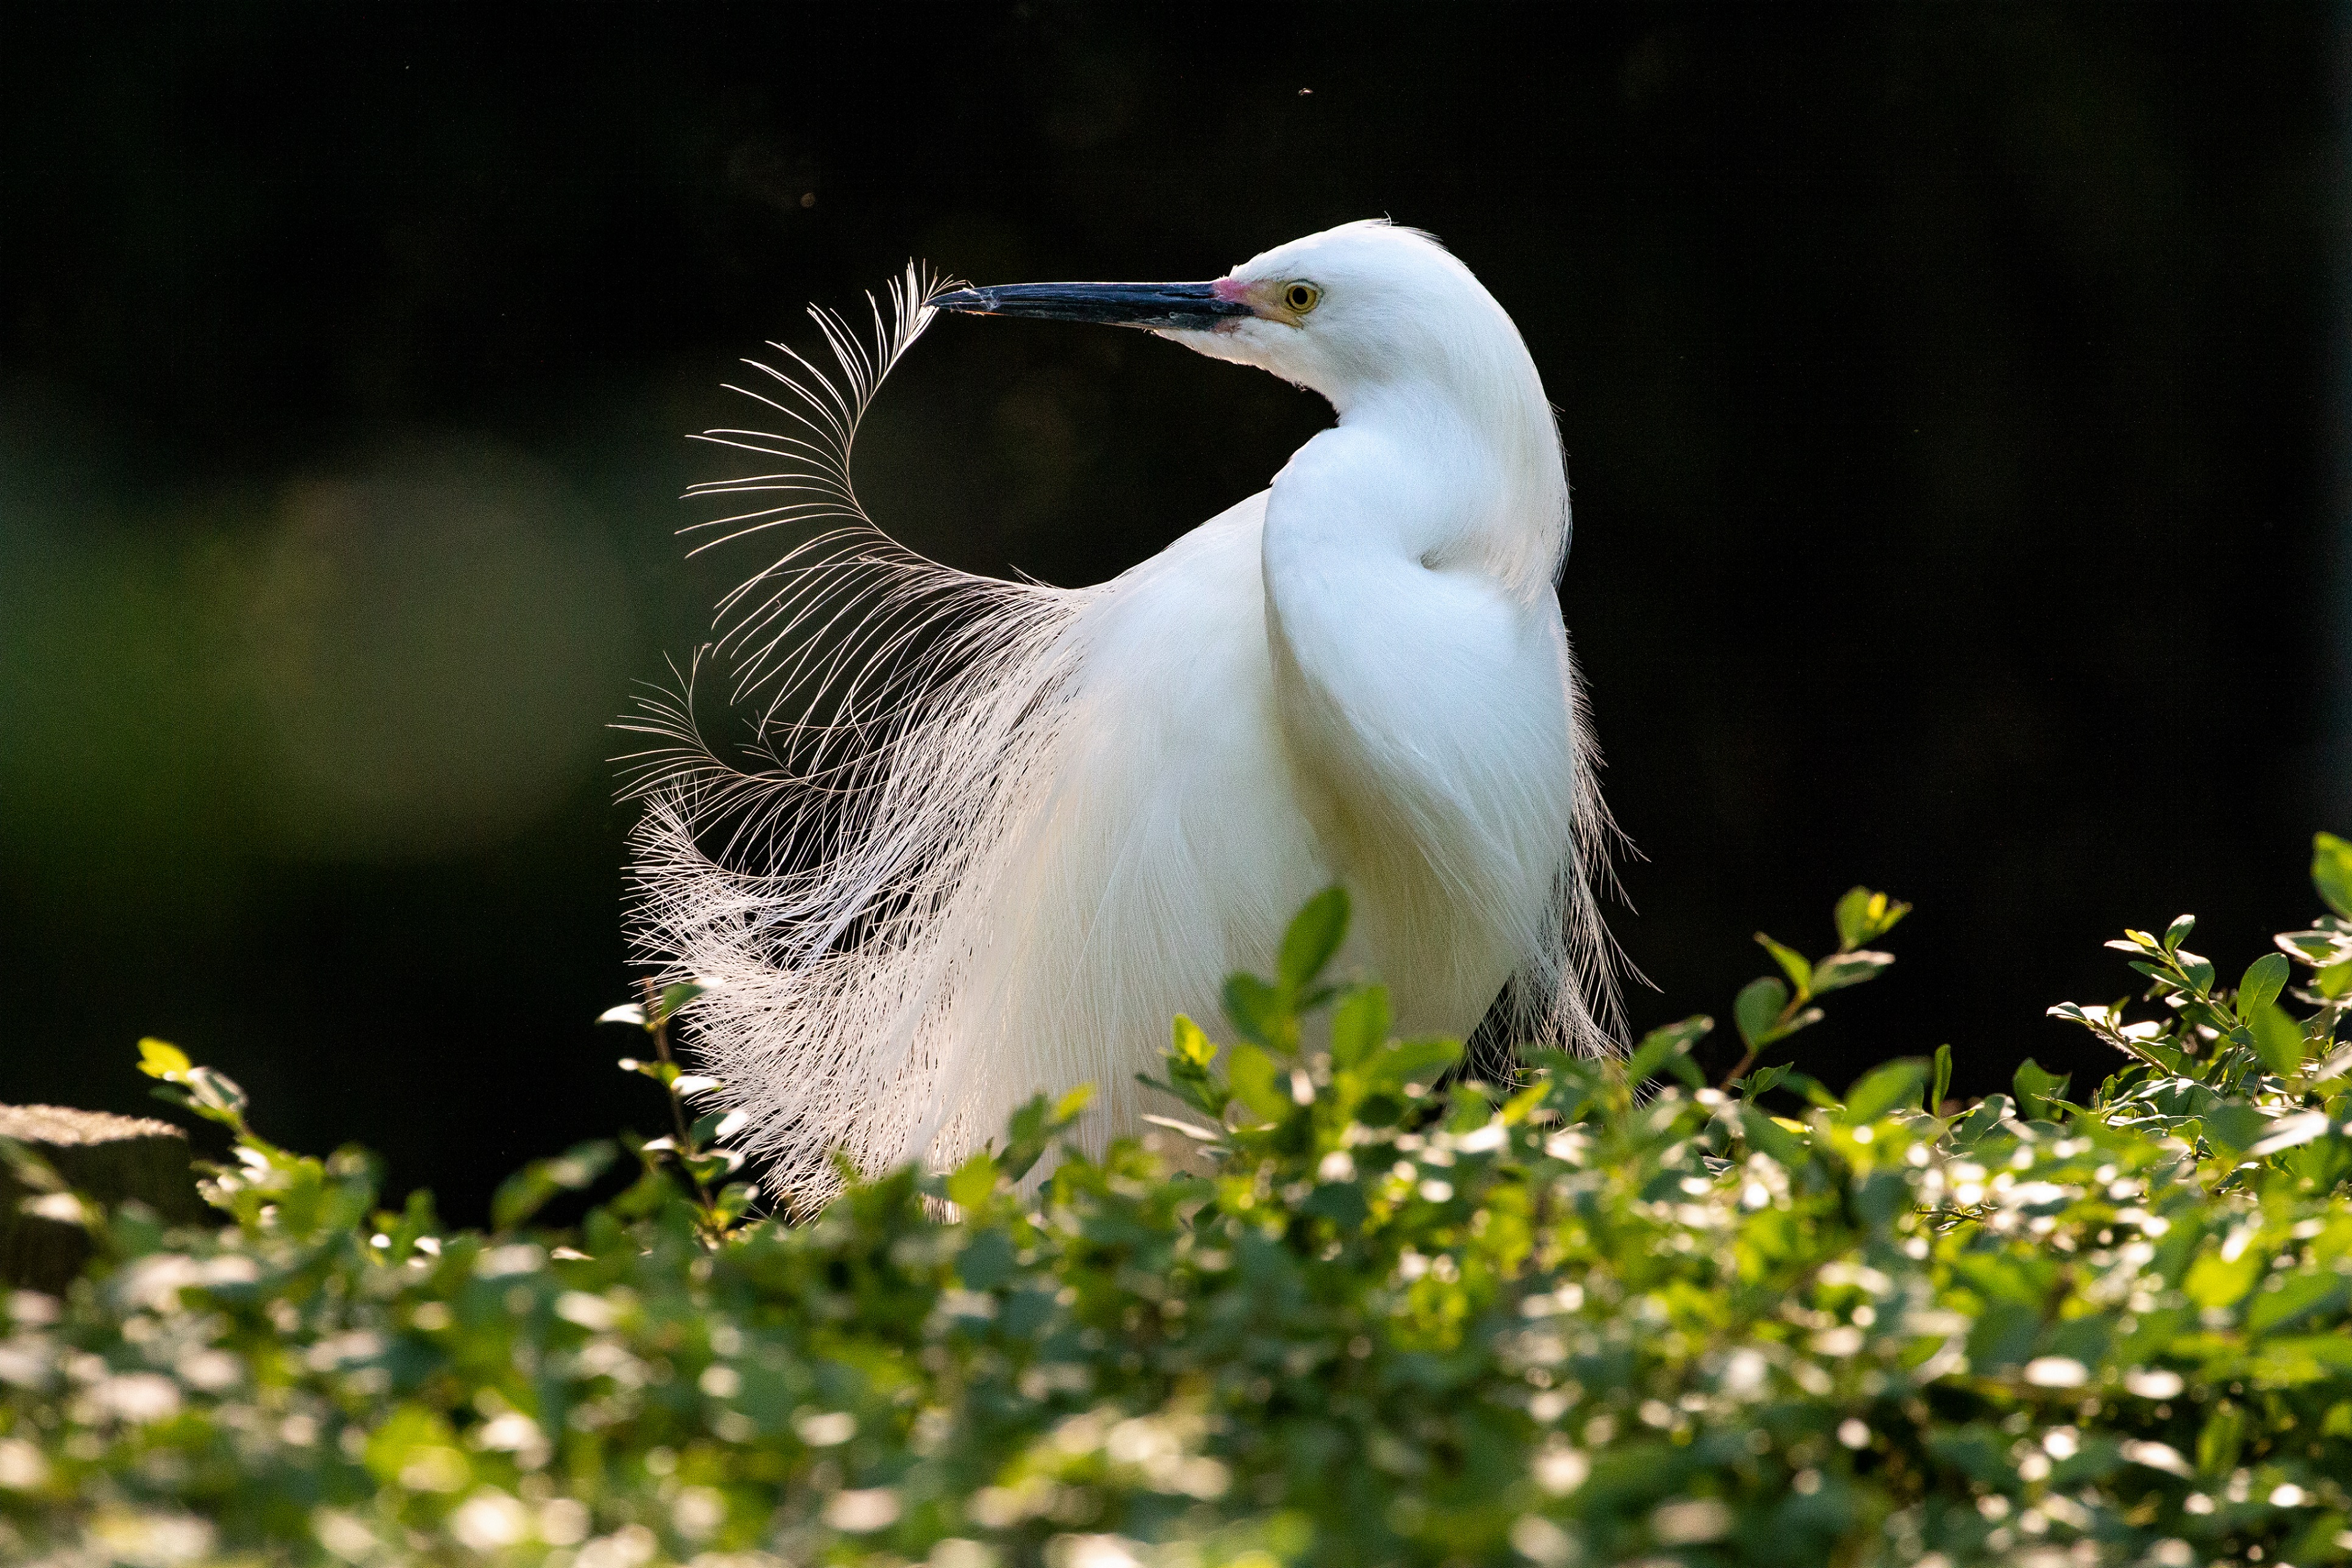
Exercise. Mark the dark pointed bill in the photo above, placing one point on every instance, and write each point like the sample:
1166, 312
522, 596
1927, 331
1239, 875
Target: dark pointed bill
1157, 305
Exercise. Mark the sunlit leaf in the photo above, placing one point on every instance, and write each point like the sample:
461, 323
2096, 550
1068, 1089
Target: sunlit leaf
1793, 963
1191, 1045
1766, 1134
1838, 971
2288, 1133
675, 996
2036, 1087
972, 1182
1259, 1082
162, 1059
1359, 1024
1758, 1009
2265, 978
2331, 872
2236, 1126
214, 1090
1663, 1045
1884, 1089
1256, 1011
529, 1190
1862, 915
1407, 1061
1314, 936
2278, 1039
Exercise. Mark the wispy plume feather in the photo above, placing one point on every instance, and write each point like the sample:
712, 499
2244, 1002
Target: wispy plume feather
824, 887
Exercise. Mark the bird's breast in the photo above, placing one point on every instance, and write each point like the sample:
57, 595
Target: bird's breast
1427, 726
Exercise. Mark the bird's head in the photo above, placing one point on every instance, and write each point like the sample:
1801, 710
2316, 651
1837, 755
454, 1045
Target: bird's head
1364, 305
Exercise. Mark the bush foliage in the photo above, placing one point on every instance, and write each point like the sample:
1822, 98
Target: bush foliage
1609, 1314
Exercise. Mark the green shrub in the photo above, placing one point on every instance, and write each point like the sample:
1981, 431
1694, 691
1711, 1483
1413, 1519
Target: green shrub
1608, 1314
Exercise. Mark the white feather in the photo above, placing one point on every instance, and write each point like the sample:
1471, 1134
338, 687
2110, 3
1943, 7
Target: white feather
999, 833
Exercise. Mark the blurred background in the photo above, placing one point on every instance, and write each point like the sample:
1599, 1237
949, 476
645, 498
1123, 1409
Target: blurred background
1957, 401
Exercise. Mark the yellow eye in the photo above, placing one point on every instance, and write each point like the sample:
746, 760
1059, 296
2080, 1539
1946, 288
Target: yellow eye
1301, 298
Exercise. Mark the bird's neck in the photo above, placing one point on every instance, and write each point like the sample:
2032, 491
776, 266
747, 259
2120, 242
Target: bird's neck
1413, 473
1408, 557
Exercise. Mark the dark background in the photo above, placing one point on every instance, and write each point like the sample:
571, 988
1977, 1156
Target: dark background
1955, 397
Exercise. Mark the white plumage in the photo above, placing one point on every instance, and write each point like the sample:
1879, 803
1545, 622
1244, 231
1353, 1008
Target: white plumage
999, 833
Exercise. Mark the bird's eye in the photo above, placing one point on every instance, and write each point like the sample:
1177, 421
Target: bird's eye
1302, 297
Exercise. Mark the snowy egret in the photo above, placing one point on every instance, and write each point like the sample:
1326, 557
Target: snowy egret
999, 833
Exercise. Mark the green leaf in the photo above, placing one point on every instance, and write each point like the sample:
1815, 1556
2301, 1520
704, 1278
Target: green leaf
973, 1180
1026, 1133
1838, 971
2278, 1039
2036, 1087
674, 996
1942, 1082
1758, 1011
1068, 1108
2298, 1298
529, 1190
1422, 1062
712, 1165
1852, 917
1313, 937
1768, 1135
1663, 1045
1259, 1082
1981, 1119
2331, 872
162, 1059
2177, 932
1342, 1203
1190, 1046
1764, 1080
1882, 1090
2307, 1358
1862, 917
1360, 1025
2265, 978
1792, 964
715, 1127
414, 1448
988, 1260
1256, 1011
1650, 1057
2235, 1127
30, 1169
2219, 1443
733, 1202
215, 1091
1811, 1088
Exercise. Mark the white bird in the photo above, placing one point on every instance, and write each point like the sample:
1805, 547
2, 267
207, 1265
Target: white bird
1001, 831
